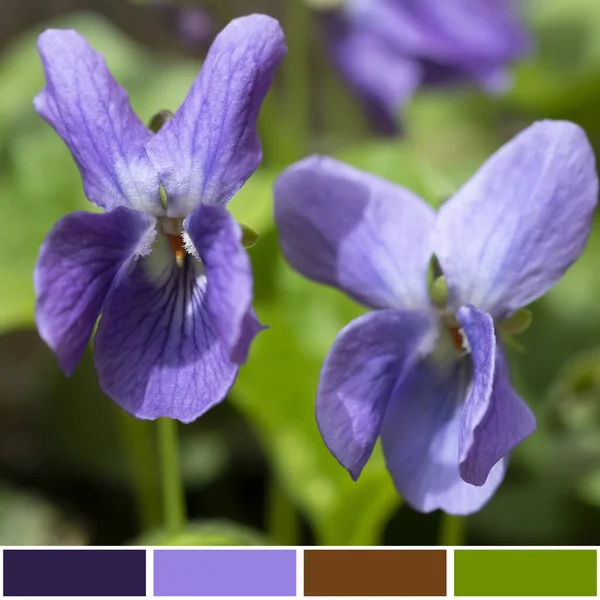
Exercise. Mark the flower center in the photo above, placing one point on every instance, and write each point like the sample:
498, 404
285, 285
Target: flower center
177, 245
173, 230
457, 338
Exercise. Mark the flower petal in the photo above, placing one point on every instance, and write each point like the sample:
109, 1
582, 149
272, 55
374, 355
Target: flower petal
367, 359
356, 232
76, 267
420, 436
217, 237
251, 327
91, 113
526, 214
495, 419
383, 78
208, 150
158, 352
461, 33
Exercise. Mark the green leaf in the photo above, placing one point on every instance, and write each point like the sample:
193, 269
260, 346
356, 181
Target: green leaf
442, 151
518, 322
564, 70
565, 449
205, 533
395, 161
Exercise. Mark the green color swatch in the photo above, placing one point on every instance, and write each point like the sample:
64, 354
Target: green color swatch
525, 573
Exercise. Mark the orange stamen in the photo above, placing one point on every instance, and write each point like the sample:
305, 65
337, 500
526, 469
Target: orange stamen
457, 339
177, 246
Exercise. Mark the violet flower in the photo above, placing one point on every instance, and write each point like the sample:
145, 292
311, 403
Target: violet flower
431, 377
164, 264
386, 49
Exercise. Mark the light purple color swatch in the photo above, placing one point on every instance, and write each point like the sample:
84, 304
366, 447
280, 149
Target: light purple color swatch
224, 572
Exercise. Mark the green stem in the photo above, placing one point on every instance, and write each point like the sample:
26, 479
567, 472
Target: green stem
453, 531
283, 523
172, 483
291, 139
138, 442
296, 105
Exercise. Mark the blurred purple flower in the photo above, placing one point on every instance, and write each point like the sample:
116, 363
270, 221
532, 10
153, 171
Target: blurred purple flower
386, 49
434, 381
164, 264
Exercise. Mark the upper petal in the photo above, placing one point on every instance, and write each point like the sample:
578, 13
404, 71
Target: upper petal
366, 236
451, 33
216, 238
384, 78
367, 359
76, 267
92, 114
208, 150
158, 352
420, 436
495, 419
526, 215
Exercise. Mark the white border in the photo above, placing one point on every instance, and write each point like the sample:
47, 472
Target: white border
299, 563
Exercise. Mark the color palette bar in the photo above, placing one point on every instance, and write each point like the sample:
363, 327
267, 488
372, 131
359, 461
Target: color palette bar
525, 573
74, 572
309, 572
225, 572
375, 573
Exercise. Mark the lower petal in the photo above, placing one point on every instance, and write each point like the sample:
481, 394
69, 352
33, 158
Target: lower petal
250, 328
77, 264
158, 351
420, 437
495, 419
217, 239
358, 377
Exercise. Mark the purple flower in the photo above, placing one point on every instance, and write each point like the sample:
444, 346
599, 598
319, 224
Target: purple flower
164, 264
386, 49
432, 379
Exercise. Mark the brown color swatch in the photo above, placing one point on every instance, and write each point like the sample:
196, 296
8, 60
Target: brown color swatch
374, 572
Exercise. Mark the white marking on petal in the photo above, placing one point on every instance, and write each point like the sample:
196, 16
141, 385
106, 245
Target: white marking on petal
465, 342
189, 246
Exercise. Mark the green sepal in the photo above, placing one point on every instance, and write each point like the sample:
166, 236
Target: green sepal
159, 119
438, 292
249, 236
512, 342
517, 323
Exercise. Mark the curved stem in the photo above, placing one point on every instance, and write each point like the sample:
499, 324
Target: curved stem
172, 483
283, 522
453, 530
138, 442
296, 102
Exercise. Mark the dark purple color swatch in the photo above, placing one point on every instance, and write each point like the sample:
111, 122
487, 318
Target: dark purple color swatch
74, 572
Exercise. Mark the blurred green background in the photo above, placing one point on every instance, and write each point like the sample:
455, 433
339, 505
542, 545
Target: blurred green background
76, 470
